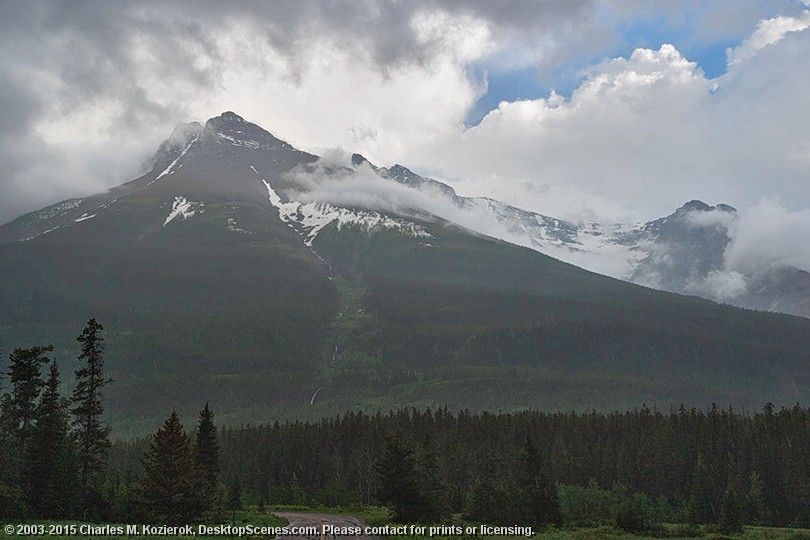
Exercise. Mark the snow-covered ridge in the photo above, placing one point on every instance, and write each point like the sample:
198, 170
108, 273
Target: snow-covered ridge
310, 218
612, 249
183, 209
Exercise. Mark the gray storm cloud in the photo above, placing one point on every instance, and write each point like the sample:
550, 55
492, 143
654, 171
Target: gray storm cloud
88, 90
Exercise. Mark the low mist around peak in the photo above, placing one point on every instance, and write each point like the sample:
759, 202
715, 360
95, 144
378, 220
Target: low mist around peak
715, 252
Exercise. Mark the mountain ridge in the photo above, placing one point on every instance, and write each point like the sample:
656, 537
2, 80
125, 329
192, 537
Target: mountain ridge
209, 281
672, 253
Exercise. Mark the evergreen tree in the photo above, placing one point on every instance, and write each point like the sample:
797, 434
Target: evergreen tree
235, 498
433, 489
168, 489
755, 500
538, 489
50, 469
701, 502
730, 520
25, 376
297, 493
206, 453
495, 497
10, 495
10, 500
120, 491
399, 489
17, 417
92, 436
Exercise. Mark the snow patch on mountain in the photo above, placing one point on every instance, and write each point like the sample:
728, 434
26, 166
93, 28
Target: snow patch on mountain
84, 217
246, 143
310, 218
611, 249
183, 209
233, 226
59, 209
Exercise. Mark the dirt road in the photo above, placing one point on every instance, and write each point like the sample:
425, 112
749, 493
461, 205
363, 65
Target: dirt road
325, 521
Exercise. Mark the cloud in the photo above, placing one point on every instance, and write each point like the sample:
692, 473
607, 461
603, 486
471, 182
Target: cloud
769, 236
624, 128
763, 238
396, 81
768, 32
329, 181
643, 134
376, 74
712, 218
721, 285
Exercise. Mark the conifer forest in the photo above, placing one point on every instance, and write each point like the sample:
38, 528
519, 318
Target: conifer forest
633, 469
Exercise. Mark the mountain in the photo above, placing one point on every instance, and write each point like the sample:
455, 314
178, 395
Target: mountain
686, 253
682, 253
242, 271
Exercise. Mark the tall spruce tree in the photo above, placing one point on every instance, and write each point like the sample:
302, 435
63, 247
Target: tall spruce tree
433, 489
537, 486
495, 497
92, 436
235, 498
50, 471
754, 507
25, 376
169, 488
701, 503
206, 454
399, 487
17, 420
19, 416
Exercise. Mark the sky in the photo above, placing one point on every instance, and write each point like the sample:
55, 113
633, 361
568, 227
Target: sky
610, 110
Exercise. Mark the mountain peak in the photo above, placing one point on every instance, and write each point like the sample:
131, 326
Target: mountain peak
228, 120
726, 208
231, 117
700, 206
694, 205
359, 159
231, 130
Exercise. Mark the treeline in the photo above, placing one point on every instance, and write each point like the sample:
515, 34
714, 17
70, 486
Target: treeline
632, 469
678, 467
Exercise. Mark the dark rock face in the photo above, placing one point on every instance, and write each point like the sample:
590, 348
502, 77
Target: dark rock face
685, 246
